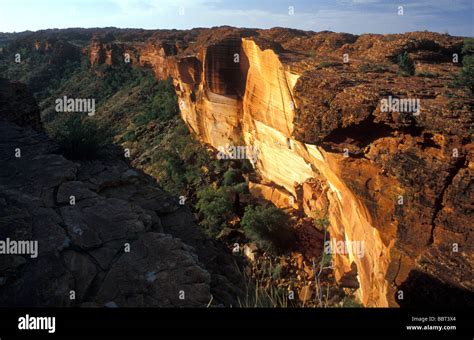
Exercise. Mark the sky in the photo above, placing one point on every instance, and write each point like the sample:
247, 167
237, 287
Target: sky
353, 16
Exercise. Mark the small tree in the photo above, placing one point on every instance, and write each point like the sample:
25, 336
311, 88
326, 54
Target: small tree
215, 207
79, 137
406, 67
232, 177
466, 77
268, 227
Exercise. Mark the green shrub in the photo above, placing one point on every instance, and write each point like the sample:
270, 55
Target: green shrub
468, 46
406, 67
326, 64
268, 227
277, 271
174, 170
232, 177
326, 260
162, 106
215, 207
165, 101
182, 164
321, 221
465, 79
143, 118
241, 188
79, 137
129, 136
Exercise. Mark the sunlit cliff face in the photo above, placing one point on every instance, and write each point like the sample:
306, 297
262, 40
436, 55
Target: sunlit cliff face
236, 92
240, 91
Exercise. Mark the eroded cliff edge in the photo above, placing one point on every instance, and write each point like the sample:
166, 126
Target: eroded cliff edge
123, 242
398, 182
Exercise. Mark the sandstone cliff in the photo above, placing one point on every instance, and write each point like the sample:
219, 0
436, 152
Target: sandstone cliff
399, 183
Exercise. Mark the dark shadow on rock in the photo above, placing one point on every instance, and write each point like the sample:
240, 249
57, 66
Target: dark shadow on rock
423, 290
107, 234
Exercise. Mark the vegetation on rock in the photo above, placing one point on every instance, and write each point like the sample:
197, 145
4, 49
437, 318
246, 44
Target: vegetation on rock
268, 227
465, 79
232, 177
406, 67
79, 137
215, 208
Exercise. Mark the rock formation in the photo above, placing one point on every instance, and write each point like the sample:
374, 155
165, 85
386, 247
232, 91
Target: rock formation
18, 105
311, 103
398, 182
104, 230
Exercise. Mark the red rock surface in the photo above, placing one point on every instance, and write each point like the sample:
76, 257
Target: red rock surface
293, 97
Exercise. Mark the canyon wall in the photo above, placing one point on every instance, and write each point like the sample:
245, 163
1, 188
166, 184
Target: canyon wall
263, 115
400, 183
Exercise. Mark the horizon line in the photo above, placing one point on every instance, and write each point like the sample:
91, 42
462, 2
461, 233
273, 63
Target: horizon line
222, 26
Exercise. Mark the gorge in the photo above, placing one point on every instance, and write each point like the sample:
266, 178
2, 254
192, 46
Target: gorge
301, 120
396, 183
